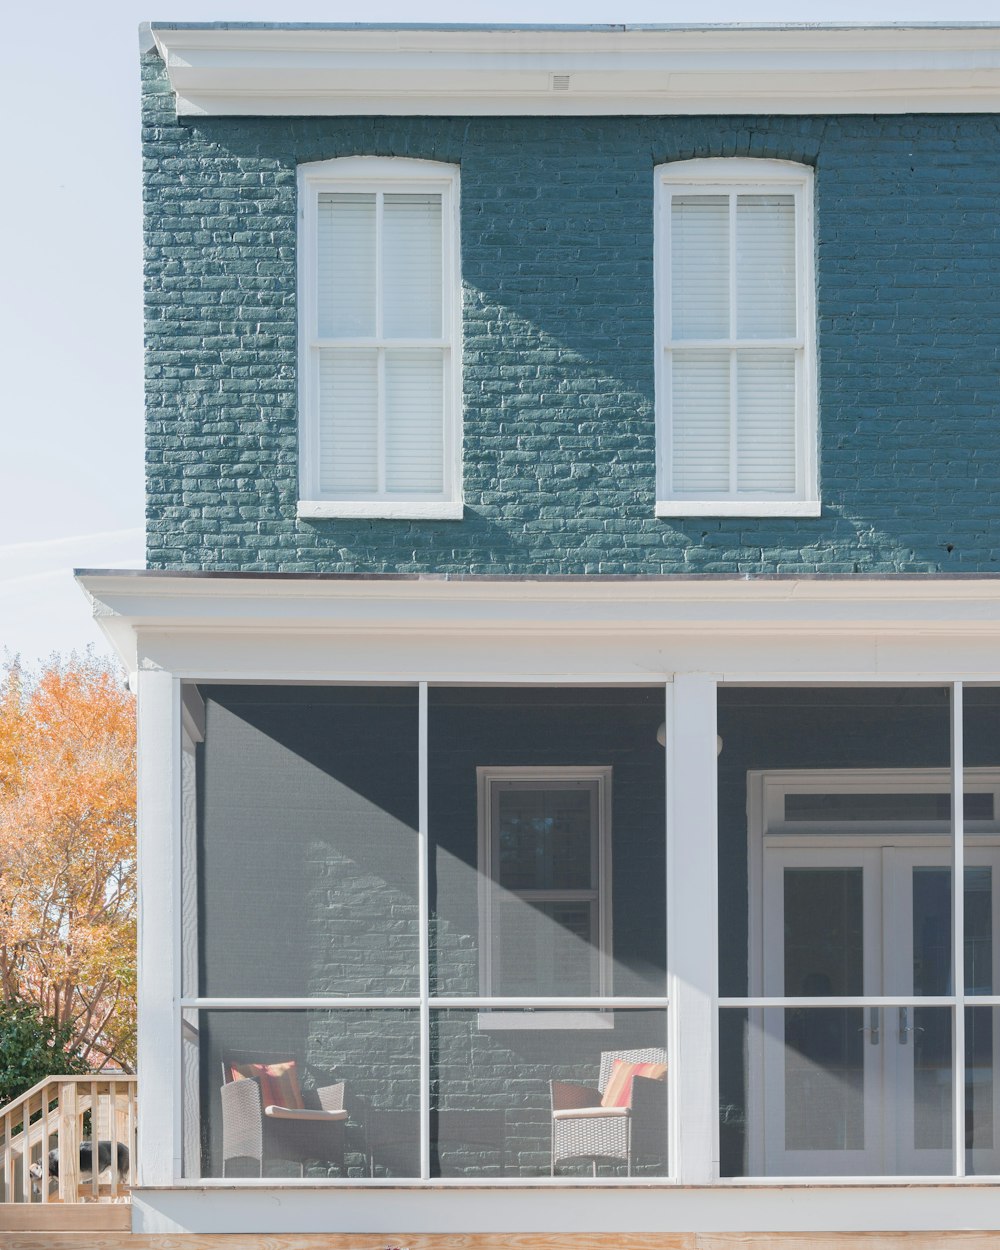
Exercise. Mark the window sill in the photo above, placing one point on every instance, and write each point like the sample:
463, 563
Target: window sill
386, 510
738, 507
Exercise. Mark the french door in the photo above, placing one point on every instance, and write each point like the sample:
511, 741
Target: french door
867, 1090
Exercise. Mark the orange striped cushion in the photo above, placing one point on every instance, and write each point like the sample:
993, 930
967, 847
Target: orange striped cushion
618, 1092
279, 1082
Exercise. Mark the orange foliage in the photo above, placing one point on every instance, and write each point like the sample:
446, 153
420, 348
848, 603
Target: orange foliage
67, 851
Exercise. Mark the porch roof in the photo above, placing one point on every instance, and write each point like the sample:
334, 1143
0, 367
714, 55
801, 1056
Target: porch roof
651, 622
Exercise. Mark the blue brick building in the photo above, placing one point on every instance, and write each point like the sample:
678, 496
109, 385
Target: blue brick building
567, 656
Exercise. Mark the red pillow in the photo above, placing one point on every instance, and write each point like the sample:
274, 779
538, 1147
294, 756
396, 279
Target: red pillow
279, 1082
618, 1091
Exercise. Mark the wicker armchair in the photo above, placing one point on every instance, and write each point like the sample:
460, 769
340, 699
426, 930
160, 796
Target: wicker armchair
583, 1129
260, 1135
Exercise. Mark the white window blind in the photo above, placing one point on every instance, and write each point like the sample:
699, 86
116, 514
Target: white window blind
379, 392
734, 314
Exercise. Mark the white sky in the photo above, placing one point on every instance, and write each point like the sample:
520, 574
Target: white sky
71, 475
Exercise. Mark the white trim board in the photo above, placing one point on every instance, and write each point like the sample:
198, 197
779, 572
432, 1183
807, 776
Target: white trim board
425, 628
796, 1208
267, 70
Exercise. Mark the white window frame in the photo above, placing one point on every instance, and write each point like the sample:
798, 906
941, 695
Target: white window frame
488, 781
733, 176
375, 174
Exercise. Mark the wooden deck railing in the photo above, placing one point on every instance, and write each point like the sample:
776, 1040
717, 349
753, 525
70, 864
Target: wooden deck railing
61, 1113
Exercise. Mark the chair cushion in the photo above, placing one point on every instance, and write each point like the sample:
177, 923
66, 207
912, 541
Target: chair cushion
618, 1092
590, 1113
279, 1082
290, 1113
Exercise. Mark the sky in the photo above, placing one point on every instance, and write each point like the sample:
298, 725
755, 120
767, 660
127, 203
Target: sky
71, 476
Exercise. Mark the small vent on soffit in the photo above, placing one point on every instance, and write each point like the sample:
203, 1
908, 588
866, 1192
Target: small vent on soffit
560, 82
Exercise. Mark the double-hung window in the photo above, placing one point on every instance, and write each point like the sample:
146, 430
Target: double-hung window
736, 408
545, 924
380, 396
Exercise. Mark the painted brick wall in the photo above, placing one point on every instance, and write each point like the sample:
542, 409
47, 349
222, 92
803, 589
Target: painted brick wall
558, 323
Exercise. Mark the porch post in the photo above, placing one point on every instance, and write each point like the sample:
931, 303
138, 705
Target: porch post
692, 925
159, 740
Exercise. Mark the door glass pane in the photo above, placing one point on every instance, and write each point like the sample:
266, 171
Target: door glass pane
824, 1079
823, 932
979, 930
982, 1156
931, 931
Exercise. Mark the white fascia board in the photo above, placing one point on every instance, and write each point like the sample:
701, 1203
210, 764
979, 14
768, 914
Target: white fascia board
327, 71
128, 604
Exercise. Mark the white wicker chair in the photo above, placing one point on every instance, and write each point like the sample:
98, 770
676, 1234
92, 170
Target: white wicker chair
583, 1129
261, 1135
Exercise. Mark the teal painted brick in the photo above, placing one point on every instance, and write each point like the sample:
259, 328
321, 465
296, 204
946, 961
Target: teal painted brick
559, 450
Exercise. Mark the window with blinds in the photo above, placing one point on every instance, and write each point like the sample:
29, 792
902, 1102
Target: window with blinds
735, 332
379, 359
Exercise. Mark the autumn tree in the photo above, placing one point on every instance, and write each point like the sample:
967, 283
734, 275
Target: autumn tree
67, 853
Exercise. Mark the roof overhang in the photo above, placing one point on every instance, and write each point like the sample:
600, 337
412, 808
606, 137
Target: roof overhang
224, 69
394, 624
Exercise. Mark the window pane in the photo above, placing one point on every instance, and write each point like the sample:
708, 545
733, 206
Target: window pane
543, 948
765, 422
525, 917
700, 421
348, 421
917, 807
411, 266
506, 1093
414, 421
836, 1091
765, 266
361, 1068
546, 837
307, 855
699, 267
346, 279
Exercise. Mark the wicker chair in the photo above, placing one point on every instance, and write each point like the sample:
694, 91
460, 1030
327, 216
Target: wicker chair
583, 1129
263, 1135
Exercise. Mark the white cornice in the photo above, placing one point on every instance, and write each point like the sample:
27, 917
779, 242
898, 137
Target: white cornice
298, 70
281, 610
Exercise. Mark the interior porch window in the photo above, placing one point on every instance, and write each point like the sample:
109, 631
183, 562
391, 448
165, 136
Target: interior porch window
545, 868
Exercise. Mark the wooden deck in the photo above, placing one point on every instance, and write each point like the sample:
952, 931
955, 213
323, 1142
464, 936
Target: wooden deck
99, 1237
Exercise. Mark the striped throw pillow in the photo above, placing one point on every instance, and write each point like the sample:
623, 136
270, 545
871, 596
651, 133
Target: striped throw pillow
279, 1082
618, 1092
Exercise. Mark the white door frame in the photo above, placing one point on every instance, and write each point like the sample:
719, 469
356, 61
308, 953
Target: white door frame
876, 846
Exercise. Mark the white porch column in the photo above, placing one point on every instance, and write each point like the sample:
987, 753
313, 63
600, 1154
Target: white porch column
159, 737
692, 924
